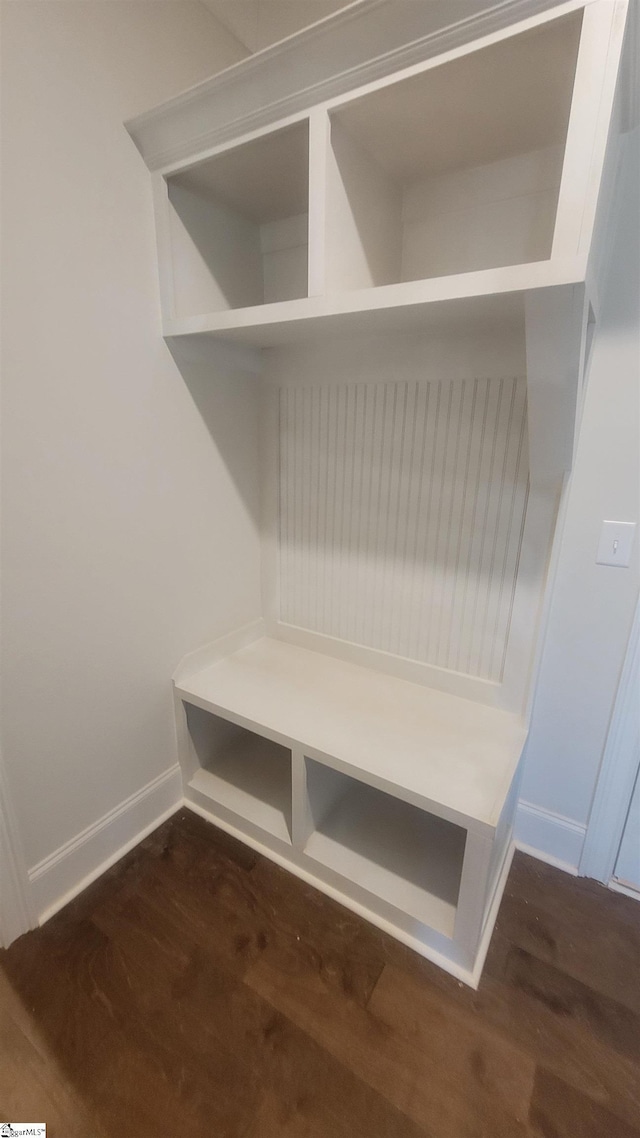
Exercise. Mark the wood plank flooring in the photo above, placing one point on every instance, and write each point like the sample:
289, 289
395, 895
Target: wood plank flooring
199, 989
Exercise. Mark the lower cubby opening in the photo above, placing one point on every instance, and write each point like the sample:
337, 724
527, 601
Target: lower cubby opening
405, 856
241, 771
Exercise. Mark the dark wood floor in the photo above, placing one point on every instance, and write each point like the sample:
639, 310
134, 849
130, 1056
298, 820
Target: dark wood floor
198, 989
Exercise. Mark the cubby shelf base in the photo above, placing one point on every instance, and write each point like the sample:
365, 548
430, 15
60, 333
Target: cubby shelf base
399, 801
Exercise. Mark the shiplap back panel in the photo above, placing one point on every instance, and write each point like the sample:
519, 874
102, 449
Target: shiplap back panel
400, 515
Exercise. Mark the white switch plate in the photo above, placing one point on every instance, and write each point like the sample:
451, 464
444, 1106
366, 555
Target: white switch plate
616, 540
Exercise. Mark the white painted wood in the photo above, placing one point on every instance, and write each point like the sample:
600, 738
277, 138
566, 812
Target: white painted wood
414, 671
473, 299
512, 93
286, 233
164, 223
284, 247
505, 99
407, 511
363, 236
226, 645
217, 262
627, 868
247, 774
618, 771
270, 459
238, 226
411, 859
363, 211
555, 331
364, 43
503, 839
221, 260
324, 787
401, 509
481, 217
451, 757
528, 613
265, 179
549, 836
483, 347
592, 104
319, 157
484, 184
476, 867
65, 873
301, 819
17, 907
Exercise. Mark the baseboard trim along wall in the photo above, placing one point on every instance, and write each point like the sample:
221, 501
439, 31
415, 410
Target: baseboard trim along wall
61, 876
550, 837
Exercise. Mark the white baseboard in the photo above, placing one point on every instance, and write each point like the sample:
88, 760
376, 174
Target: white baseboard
626, 890
61, 876
548, 836
68, 870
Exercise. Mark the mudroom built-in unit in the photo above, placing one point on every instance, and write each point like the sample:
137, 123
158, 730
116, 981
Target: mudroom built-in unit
376, 235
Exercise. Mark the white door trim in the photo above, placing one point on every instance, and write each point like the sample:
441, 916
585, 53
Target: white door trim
618, 770
17, 912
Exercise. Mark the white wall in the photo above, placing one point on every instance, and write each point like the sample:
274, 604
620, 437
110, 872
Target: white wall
129, 493
593, 605
258, 23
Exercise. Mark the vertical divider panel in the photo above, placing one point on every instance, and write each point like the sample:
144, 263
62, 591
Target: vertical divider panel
187, 757
593, 92
555, 331
270, 398
364, 217
472, 898
161, 208
301, 818
319, 147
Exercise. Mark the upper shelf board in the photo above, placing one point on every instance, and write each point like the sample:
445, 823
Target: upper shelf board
447, 755
487, 300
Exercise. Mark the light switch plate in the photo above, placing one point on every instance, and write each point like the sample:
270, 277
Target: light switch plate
616, 541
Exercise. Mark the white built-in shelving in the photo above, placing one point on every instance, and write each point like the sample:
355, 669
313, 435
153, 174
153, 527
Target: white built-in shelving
400, 213
359, 779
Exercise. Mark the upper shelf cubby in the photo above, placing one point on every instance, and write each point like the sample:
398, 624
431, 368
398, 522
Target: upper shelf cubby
454, 169
461, 166
238, 225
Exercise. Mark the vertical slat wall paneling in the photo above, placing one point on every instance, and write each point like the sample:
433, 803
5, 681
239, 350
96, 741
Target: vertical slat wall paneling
401, 513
